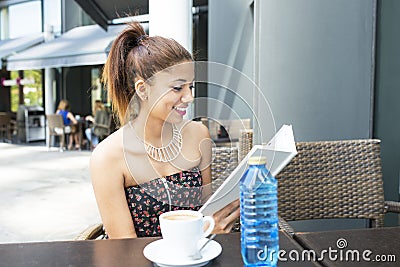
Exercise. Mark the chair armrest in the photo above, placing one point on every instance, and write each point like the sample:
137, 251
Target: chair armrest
95, 231
101, 125
392, 206
284, 226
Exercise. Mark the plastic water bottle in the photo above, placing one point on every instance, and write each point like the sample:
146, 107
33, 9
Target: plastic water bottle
259, 215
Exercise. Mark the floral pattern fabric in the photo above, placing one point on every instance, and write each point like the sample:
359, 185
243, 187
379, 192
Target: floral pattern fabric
149, 200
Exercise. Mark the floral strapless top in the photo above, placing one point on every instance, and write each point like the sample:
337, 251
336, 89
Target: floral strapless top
149, 200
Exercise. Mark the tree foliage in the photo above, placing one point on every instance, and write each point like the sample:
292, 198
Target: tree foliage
33, 93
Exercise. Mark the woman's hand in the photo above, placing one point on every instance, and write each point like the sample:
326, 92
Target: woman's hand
226, 217
89, 118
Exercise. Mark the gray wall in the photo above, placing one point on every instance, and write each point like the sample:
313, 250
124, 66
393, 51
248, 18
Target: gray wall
231, 42
387, 100
314, 60
316, 64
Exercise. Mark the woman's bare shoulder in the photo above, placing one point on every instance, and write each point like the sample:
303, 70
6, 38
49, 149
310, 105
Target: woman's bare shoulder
109, 150
195, 129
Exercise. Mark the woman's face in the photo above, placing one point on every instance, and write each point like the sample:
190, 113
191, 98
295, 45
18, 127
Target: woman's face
171, 92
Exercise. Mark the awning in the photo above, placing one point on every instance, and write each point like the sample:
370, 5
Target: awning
9, 47
86, 45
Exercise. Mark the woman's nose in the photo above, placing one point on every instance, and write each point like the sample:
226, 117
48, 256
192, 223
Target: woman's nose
187, 96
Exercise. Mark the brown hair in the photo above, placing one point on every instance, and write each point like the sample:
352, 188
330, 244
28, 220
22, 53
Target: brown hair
134, 55
63, 105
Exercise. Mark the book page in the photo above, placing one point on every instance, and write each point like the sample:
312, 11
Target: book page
279, 152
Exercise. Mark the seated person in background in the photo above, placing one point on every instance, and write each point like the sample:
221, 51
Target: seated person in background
70, 122
100, 116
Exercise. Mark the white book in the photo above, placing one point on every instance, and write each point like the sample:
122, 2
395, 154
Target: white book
279, 152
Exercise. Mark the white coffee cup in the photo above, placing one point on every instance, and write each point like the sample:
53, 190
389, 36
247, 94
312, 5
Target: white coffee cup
183, 229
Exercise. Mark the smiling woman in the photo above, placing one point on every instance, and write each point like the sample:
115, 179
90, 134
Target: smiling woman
157, 161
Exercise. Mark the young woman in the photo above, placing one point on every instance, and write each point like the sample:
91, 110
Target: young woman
89, 132
69, 120
156, 161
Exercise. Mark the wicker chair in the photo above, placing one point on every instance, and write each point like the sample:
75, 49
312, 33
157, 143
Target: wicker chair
56, 127
95, 231
334, 179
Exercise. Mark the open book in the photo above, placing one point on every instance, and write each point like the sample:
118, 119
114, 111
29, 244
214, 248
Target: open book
279, 152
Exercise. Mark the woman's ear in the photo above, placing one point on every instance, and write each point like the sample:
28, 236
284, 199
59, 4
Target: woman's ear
141, 89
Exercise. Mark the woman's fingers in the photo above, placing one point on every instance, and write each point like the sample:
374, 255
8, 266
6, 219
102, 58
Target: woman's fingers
231, 219
233, 215
229, 227
228, 209
226, 217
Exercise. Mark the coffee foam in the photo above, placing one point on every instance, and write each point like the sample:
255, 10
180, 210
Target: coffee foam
181, 217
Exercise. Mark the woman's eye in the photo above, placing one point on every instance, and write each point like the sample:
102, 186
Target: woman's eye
177, 88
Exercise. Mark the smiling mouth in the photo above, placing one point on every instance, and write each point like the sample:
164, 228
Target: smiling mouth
180, 110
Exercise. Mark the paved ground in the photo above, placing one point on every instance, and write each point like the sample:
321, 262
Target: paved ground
44, 195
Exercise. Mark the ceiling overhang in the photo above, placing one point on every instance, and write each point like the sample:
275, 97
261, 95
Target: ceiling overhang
103, 12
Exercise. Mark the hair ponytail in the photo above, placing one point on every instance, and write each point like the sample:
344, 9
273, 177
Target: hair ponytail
134, 55
117, 74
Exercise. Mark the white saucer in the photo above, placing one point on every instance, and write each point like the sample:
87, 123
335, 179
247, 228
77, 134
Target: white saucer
161, 255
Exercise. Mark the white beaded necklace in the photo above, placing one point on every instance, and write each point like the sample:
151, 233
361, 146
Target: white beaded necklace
165, 153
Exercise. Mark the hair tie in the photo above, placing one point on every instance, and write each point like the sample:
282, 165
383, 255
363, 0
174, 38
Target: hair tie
140, 38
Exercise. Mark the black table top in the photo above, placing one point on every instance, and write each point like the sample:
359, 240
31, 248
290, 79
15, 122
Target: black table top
123, 252
373, 247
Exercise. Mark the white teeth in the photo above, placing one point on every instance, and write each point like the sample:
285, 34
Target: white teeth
180, 109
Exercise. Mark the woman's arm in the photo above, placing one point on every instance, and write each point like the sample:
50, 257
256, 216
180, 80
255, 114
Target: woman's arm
89, 118
108, 185
72, 118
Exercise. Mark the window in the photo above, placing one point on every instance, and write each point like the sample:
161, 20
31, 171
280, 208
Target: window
52, 15
25, 19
